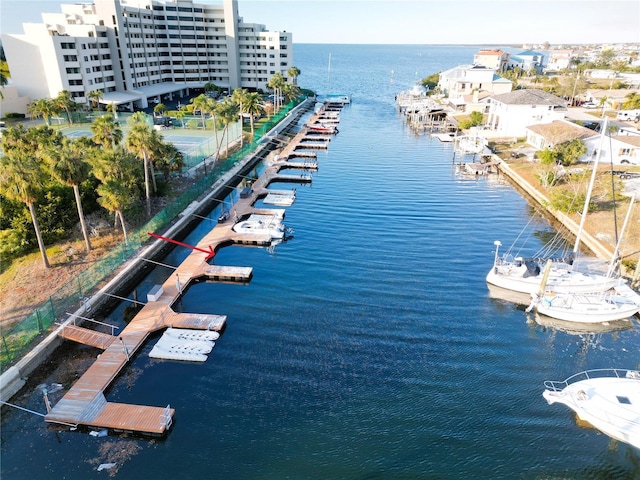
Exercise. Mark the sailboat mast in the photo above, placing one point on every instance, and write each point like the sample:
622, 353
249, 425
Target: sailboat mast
587, 199
616, 252
329, 74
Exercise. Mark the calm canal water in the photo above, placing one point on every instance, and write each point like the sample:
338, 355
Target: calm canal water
367, 346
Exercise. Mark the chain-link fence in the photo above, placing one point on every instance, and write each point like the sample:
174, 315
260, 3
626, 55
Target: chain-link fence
72, 295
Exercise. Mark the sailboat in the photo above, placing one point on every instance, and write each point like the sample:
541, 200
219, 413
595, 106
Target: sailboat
523, 274
600, 306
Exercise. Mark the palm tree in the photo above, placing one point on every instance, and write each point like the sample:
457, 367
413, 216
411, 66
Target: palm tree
116, 197
180, 114
276, 83
112, 108
239, 96
159, 109
139, 142
5, 75
228, 113
290, 92
294, 73
202, 103
116, 164
94, 97
43, 107
169, 160
67, 165
106, 131
254, 108
21, 180
65, 102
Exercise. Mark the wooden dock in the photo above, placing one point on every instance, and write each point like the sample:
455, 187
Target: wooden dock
87, 336
85, 403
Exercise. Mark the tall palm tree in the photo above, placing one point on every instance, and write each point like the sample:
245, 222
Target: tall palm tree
276, 83
293, 73
94, 97
202, 103
239, 96
116, 197
43, 107
21, 180
139, 142
106, 131
66, 163
228, 114
254, 108
65, 101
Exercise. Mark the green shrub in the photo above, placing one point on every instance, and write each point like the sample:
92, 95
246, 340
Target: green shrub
11, 244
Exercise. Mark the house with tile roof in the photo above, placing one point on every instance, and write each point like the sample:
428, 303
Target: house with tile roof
527, 61
548, 135
511, 113
496, 59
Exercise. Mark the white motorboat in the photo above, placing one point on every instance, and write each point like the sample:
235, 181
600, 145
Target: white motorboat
608, 399
265, 225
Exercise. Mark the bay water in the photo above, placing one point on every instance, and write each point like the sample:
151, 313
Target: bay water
367, 346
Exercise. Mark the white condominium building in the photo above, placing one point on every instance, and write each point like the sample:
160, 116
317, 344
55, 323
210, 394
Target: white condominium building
138, 51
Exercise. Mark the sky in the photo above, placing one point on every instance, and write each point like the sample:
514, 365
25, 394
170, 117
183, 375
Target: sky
497, 22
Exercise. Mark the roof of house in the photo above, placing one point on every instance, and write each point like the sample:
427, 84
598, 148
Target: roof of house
529, 97
498, 79
633, 140
490, 52
560, 131
529, 53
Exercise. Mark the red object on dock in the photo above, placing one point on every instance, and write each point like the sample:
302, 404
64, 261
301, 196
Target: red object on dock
210, 253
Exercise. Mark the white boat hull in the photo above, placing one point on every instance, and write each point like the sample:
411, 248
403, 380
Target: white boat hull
584, 308
561, 280
609, 403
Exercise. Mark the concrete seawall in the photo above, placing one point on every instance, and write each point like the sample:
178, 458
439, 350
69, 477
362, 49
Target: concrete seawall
12, 380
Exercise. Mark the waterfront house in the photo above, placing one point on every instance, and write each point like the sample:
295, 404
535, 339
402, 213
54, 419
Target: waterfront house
511, 113
528, 61
464, 80
548, 135
496, 59
617, 149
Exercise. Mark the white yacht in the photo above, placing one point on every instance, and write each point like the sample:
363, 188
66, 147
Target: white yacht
608, 399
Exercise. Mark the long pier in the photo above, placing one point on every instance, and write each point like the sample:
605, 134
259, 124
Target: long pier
85, 403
